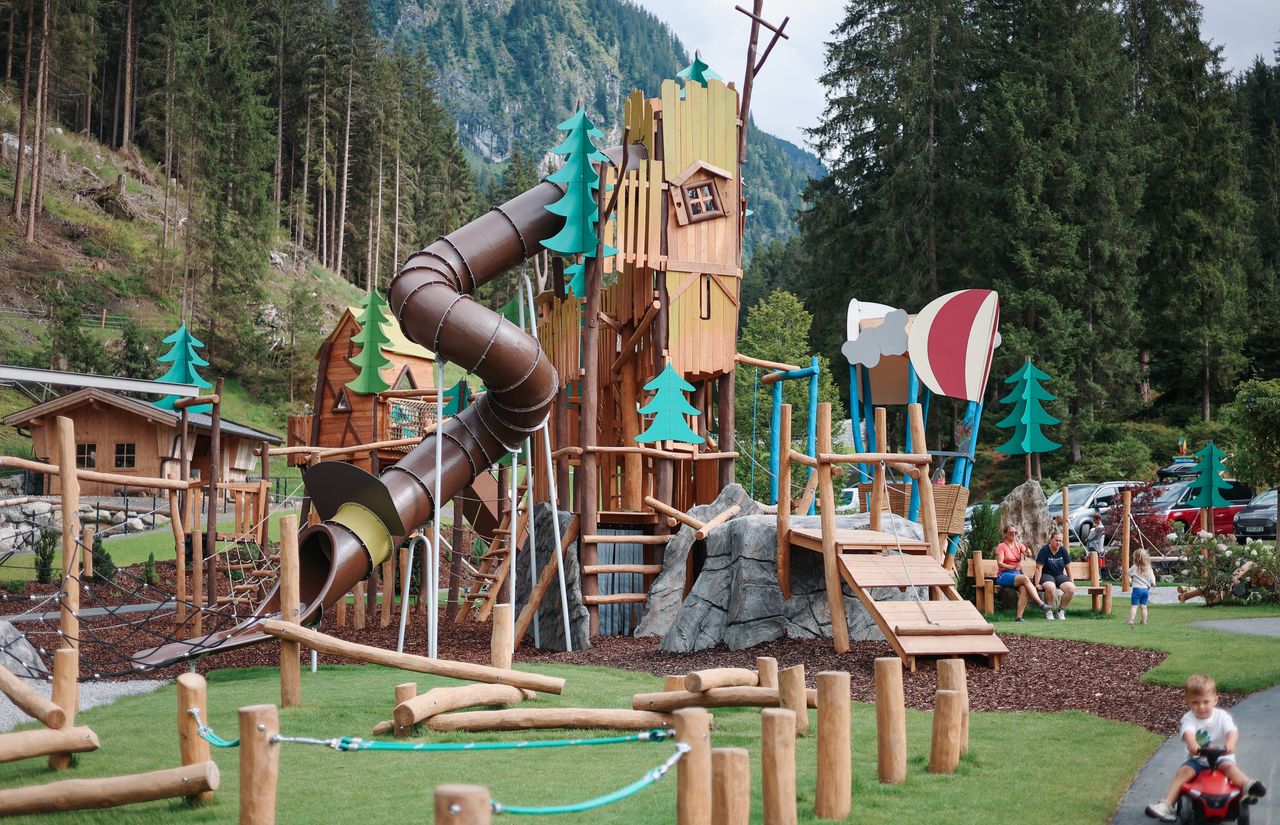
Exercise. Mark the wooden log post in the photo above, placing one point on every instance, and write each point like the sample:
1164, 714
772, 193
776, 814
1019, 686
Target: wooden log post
1064, 521
830, 564
25, 744
210, 567
69, 620
197, 579
179, 557
388, 588
259, 764
81, 794
193, 692
891, 722
1106, 601
767, 668
86, 555
778, 765
463, 805
834, 796
783, 509
66, 695
405, 692
792, 696
1095, 580
361, 608
928, 511
726, 697
290, 611
502, 637
730, 786
944, 751
700, 680
878, 499
673, 681
341, 618
952, 676
693, 772
1125, 515
44, 711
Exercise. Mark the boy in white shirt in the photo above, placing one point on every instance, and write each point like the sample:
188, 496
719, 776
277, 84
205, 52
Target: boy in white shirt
1205, 725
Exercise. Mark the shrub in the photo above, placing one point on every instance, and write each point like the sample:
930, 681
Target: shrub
17, 586
1211, 566
984, 534
104, 569
149, 574
46, 548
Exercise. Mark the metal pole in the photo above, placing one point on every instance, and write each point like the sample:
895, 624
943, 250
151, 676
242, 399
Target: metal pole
775, 422
404, 601
433, 550
526, 295
813, 423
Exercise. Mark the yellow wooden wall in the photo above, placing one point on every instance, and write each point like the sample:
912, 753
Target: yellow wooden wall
700, 348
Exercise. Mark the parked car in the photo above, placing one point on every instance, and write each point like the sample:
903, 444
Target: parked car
1182, 468
1258, 519
1086, 501
1181, 516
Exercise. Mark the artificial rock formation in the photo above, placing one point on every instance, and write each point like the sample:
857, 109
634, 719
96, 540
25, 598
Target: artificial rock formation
1026, 508
550, 619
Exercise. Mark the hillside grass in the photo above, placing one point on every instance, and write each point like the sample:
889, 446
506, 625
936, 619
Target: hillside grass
1237, 662
1007, 751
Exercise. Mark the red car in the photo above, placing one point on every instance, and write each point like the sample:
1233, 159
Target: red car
1174, 499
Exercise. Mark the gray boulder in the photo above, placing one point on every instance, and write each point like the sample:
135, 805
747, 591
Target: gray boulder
18, 655
550, 617
1027, 508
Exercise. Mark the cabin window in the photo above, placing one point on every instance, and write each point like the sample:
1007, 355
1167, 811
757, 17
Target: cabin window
86, 456
126, 456
704, 297
703, 200
343, 404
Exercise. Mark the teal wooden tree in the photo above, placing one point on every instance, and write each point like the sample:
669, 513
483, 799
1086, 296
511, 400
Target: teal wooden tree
669, 408
698, 71
371, 338
1209, 480
1028, 414
184, 360
578, 205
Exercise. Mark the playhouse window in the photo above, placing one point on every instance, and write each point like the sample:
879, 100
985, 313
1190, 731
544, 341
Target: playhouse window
704, 297
86, 456
343, 403
126, 456
703, 201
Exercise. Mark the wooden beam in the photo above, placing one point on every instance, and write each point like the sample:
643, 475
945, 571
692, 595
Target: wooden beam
545, 718
29, 702
629, 346
25, 744
82, 794
446, 699
197, 401
705, 530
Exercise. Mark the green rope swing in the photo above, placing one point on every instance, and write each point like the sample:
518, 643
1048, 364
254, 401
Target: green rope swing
600, 801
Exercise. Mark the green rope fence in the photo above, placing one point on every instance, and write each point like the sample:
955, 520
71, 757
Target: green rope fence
600, 801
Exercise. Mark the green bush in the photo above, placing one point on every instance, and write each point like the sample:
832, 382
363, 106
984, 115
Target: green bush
149, 574
17, 586
104, 569
1211, 565
46, 548
984, 534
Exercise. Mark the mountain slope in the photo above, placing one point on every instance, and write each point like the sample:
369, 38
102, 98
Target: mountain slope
510, 70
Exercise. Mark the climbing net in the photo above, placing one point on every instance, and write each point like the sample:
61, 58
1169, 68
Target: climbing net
348, 744
123, 614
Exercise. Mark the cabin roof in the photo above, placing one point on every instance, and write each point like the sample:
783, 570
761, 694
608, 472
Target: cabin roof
398, 344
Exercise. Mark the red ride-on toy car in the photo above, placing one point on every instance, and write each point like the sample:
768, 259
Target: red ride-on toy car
1211, 797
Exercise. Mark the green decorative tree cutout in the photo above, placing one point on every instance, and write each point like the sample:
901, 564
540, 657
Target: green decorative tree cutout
460, 398
184, 359
371, 338
698, 71
1209, 480
1028, 414
669, 408
578, 206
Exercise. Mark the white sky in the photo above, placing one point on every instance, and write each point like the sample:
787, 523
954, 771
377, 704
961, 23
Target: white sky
787, 95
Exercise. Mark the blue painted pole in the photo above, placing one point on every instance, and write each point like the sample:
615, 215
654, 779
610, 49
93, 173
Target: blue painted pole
869, 411
855, 418
813, 423
755, 419
775, 422
913, 393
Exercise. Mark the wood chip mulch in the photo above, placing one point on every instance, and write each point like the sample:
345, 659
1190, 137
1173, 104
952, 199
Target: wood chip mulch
1043, 675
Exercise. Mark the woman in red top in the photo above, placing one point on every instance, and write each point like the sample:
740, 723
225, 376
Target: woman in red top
1009, 556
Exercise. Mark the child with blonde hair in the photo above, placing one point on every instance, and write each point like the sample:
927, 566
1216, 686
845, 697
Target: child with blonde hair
1141, 579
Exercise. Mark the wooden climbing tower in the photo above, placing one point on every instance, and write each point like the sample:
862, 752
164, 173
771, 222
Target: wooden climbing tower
865, 560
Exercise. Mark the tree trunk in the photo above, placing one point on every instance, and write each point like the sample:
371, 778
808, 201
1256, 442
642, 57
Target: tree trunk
306, 172
168, 160
395, 230
279, 114
346, 170
8, 43
1144, 372
20, 174
126, 133
115, 101
368, 247
1204, 387
377, 232
37, 153
322, 179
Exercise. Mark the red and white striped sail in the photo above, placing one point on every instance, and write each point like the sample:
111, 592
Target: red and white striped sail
951, 341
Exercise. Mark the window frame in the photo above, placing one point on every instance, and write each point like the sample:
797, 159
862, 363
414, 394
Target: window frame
88, 460
716, 209
130, 454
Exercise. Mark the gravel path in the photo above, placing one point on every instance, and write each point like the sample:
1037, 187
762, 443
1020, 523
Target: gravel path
1249, 627
92, 695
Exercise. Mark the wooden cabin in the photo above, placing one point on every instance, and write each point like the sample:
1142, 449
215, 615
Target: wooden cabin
341, 417
119, 434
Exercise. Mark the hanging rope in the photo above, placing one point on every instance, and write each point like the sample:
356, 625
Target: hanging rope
600, 801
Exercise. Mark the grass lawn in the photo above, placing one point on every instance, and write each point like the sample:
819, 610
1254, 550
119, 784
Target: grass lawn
318, 784
1238, 662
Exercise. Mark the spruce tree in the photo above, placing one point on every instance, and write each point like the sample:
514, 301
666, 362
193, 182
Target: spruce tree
669, 408
1028, 416
185, 362
578, 205
1209, 480
371, 338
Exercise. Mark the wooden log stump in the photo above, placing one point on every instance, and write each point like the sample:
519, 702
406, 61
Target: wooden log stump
673, 681
951, 676
404, 693
701, 680
259, 764
463, 805
767, 668
193, 692
891, 722
501, 641
834, 796
66, 695
944, 751
290, 611
793, 697
730, 786
693, 772
778, 765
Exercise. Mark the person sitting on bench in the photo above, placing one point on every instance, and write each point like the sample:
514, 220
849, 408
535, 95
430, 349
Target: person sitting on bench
1009, 556
1054, 574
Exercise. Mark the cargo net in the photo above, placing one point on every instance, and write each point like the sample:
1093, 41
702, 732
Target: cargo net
124, 610
411, 419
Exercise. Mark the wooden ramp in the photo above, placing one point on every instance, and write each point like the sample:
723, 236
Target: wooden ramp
950, 627
847, 540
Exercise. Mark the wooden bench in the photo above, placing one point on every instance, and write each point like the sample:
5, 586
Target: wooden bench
984, 572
